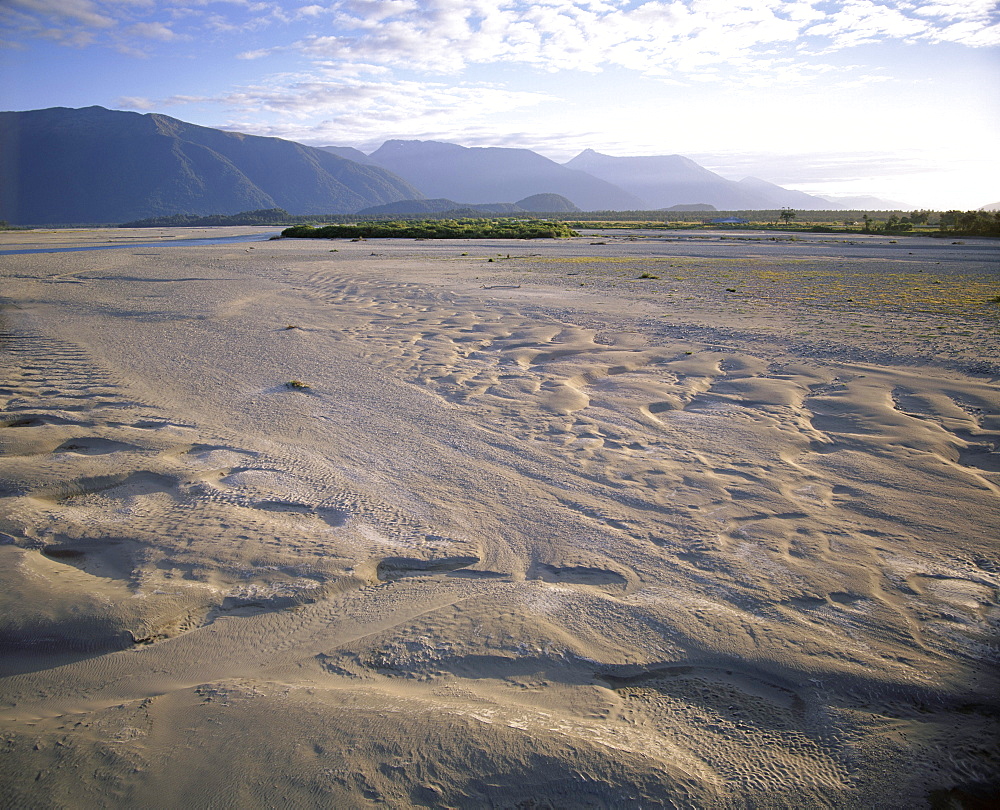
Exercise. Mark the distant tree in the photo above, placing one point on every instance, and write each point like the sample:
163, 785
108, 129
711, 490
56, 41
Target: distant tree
262, 216
972, 223
896, 225
787, 214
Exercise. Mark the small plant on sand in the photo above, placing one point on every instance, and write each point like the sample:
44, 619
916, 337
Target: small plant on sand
995, 299
296, 384
648, 275
292, 326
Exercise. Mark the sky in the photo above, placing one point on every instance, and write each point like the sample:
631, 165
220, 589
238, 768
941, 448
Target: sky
896, 99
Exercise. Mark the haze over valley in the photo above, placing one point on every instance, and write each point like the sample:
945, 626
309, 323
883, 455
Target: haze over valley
98, 166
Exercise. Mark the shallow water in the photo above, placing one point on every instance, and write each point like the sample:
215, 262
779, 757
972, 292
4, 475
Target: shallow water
219, 240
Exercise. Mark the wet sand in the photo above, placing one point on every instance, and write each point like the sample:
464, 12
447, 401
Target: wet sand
535, 530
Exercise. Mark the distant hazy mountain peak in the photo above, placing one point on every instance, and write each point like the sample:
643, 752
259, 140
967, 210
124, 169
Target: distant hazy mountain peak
869, 203
397, 146
548, 203
484, 174
669, 180
771, 195
589, 154
593, 157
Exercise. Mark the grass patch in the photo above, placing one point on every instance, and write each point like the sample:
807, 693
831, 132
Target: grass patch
437, 229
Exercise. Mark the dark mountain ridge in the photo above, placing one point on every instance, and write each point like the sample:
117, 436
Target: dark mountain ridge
94, 165
537, 203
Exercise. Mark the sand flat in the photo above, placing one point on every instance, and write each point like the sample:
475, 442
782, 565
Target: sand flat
533, 530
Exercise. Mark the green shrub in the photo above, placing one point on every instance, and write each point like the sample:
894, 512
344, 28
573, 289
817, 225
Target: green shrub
437, 229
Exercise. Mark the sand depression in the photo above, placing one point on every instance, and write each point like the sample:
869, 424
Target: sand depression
533, 532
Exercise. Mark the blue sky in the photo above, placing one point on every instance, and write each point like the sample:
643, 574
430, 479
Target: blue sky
834, 97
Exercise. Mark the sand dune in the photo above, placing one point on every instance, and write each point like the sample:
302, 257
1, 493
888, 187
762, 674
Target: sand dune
533, 532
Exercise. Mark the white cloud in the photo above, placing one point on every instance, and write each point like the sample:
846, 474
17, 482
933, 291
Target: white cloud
863, 21
135, 103
654, 37
970, 33
348, 111
958, 9
258, 54
78, 12
152, 30
117, 23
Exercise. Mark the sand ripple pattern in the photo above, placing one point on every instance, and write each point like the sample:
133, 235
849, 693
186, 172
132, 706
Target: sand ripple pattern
499, 551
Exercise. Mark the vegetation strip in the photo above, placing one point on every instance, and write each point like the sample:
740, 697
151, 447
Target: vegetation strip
439, 229
916, 223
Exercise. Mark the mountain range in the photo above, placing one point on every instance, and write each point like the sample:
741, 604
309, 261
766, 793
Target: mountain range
99, 166
92, 165
487, 174
663, 181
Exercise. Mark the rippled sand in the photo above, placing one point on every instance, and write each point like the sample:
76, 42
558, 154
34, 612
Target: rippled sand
532, 530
